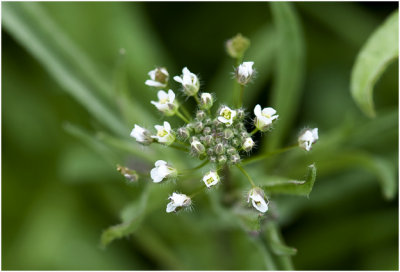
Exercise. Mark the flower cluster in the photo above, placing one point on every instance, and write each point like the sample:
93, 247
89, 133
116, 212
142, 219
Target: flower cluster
217, 138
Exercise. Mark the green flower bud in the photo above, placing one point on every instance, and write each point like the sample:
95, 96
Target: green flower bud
236, 142
206, 101
231, 151
209, 140
228, 134
235, 159
197, 147
210, 151
240, 114
183, 133
198, 127
222, 159
237, 46
213, 159
200, 115
219, 148
206, 130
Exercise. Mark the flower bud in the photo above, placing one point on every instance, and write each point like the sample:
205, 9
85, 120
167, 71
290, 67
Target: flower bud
231, 151
213, 159
209, 140
206, 130
129, 174
236, 142
307, 138
235, 159
236, 46
210, 151
222, 159
248, 144
228, 134
219, 148
200, 115
183, 133
244, 72
206, 101
197, 147
198, 127
208, 121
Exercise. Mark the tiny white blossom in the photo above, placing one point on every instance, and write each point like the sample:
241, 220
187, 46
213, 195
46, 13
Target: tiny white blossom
264, 118
248, 144
142, 136
166, 102
178, 201
307, 138
257, 199
211, 178
162, 171
189, 81
226, 115
244, 72
164, 134
158, 78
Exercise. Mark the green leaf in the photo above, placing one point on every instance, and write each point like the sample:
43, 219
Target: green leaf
280, 185
276, 242
29, 25
381, 48
131, 217
289, 72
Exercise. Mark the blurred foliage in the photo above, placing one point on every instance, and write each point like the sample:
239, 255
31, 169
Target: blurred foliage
70, 96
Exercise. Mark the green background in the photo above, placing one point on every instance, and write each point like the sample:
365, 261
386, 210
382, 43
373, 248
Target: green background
58, 195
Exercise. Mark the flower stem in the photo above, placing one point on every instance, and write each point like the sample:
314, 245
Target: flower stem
182, 117
198, 191
240, 104
185, 111
197, 99
254, 131
179, 147
195, 168
267, 155
246, 174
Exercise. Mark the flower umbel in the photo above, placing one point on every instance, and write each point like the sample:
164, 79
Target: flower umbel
256, 195
264, 118
164, 134
162, 171
307, 138
177, 202
189, 81
158, 78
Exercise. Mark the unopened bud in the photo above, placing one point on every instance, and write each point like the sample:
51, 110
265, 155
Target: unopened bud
219, 148
231, 151
222, 159
235, 159
236, 46
244, 72
240, 114
228, 133
209, 140
197, 147
206, 130
213, 159
183, 133
198, 126
200, 115
206, 101
158, 78
248, 144
236, 142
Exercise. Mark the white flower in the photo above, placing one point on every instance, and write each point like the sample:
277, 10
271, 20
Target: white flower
211, 178
248, 144
161, 171
189, 81
158, 78
166, 102
264, 118
178, 201
226, 115
307, 138
164, 134
142, 136
257, 199
244, 72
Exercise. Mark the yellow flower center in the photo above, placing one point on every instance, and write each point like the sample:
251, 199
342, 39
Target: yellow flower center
226, 114
162, 133
210, 180
164, 100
